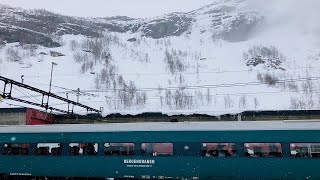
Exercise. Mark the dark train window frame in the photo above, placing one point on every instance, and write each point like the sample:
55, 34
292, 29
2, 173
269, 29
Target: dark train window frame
6, 149
48, 149
260, 153
157, 154
308, 154
72, 152
219, 151
120, 149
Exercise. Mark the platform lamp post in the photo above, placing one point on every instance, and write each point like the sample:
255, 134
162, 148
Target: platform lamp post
53, 64
22, 78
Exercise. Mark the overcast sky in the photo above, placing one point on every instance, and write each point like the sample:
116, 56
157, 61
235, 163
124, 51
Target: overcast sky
103, 8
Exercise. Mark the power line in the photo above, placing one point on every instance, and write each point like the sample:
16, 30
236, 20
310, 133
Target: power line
204, 86
212, 86
186, 73
60, 87
205, 95
30, 96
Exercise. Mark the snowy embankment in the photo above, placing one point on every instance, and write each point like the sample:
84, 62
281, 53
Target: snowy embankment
276, 68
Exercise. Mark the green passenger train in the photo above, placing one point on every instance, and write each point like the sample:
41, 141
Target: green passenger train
186, 150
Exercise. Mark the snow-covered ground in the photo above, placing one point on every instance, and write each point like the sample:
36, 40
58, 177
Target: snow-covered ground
213, 78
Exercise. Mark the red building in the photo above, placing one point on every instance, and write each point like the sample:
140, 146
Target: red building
25, 116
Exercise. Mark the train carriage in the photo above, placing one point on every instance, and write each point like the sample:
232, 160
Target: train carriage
187, 150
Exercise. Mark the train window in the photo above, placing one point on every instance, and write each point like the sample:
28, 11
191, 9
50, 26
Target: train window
263, 149
125, 149
48, 149
77, 149
305, 150
218, 149
16, 149
157, 149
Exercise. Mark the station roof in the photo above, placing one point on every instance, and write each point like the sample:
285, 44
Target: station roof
13, 110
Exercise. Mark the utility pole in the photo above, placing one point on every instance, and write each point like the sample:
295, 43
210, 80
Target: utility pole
78, 94
68, 103
53, 64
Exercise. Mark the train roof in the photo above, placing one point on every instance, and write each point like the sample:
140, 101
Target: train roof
166, 126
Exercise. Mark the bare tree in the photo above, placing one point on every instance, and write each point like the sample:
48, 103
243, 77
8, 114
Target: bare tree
120, 80
141, 98
208, 97
161, 101
181, 79
267, 78
293, 86
97, 48
228, 102
296, 103
159, 89
182, 100
168, 98
243, 102
260, 77
200, 97
307, 87
174, 60
74, 45
97, 83
13, 54
107, 57
256, 103
271, 80
80, 57
146, 58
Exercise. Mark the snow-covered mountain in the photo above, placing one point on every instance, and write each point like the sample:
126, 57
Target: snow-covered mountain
225, 19
225, 57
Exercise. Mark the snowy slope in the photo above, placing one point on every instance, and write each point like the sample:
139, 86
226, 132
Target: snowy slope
186, 63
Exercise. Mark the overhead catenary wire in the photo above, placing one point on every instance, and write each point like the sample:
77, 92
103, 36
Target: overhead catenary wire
205, 95
60, 87
68, 90
208, 86
183, 73
211, 86
26, 96
141, 74
197, 111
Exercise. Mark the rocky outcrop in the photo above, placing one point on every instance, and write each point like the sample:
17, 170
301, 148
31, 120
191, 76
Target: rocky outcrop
229, 20
56, 54
10, 35
169, 25
36, 26
225, 19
